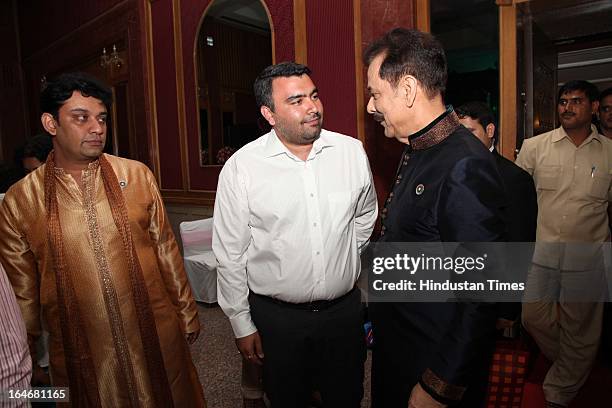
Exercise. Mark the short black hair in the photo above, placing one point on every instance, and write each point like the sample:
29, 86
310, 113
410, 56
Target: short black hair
56, 92
263, 83
38, 146
479, 111
410, 52
605, 93
590, 90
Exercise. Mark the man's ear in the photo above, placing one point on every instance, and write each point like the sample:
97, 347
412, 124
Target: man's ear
268, 115
490, 130
408, 85
49, 123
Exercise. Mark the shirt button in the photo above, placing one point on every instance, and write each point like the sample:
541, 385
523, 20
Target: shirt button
318, 252
311, 194
314, 224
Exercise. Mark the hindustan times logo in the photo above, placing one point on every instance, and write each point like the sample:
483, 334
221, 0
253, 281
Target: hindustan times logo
412, 264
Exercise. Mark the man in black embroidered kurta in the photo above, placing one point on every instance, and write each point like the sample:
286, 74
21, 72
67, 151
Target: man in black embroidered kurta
447, 189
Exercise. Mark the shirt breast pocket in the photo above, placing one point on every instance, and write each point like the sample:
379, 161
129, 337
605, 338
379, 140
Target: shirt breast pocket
342, 209
548, 177
600, 186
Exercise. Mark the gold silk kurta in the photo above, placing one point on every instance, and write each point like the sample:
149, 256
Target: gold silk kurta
97, 262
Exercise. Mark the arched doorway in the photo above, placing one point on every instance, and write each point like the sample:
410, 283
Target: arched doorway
234, 44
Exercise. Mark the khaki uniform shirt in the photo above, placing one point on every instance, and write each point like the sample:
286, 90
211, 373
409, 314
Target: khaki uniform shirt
573, 184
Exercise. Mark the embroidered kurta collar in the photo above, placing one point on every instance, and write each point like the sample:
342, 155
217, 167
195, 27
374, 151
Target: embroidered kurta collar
91, 167
436, 131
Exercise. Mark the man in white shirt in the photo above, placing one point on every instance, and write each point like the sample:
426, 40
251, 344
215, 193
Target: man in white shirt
293, 211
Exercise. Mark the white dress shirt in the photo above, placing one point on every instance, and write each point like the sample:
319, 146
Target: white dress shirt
288, 228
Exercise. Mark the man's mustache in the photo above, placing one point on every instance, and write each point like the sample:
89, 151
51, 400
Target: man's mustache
567, 115
313, 117
378, 117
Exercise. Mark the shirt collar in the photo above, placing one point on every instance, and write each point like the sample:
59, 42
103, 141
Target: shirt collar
560, 134
274, 146
438, 130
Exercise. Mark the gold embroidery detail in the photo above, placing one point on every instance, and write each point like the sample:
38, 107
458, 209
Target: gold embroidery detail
437, 133
110, 295
441, 387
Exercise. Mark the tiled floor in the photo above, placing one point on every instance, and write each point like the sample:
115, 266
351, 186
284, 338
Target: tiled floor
218, 362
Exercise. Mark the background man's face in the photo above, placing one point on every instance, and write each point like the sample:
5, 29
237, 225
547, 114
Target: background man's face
575, 110
474, 126
387, 104
605, 113
298, 111
30, 164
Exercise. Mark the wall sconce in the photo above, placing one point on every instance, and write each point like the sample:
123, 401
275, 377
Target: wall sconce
114, 60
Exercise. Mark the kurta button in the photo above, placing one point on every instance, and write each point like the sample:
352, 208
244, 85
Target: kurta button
391, 194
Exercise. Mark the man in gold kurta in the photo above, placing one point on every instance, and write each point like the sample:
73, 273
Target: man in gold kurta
86, 244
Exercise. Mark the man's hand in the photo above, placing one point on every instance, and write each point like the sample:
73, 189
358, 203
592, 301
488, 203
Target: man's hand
419, 398
250, 348
192, 337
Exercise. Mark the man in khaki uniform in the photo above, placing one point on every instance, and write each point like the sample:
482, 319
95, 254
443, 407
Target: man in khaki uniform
571, 167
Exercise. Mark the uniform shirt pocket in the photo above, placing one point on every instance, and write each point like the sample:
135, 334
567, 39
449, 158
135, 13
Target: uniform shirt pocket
548, 177
600, 186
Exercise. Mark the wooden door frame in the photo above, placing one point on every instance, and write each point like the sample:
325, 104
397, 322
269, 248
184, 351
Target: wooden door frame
507, 68
508, 77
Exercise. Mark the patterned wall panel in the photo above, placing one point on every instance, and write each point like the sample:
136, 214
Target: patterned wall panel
168, 135
331, 56
378, 17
